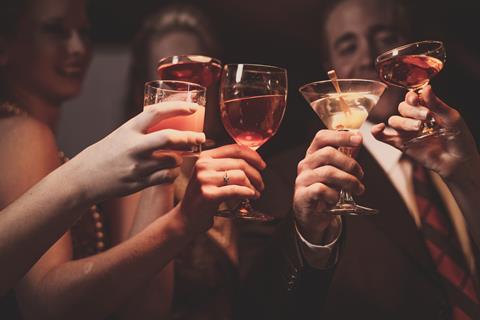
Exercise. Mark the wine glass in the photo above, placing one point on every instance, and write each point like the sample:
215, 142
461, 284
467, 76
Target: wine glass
199, 69
412, 66
164, 91
252, 104
345, 110
191, 68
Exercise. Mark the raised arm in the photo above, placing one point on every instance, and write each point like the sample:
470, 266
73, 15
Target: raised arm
58, 288
33, 218
455, 159
153, 301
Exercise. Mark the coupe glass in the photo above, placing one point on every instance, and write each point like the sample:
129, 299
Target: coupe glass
252, 104
345, 111
412, 66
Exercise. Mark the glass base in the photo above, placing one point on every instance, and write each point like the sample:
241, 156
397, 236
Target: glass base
243, 213
434, 134
349, 209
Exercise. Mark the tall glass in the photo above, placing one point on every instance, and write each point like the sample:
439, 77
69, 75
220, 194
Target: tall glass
164, 92
344, 111
252, 104
412, 66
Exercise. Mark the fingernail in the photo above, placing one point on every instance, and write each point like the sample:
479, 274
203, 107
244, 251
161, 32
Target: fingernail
356, 139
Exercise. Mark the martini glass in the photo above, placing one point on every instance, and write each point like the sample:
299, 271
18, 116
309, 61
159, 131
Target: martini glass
253, 99
345, 110
412, 66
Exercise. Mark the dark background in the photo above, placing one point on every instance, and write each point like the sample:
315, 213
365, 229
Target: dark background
285, 33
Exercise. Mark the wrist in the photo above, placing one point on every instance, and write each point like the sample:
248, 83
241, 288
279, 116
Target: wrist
73, 186
178, 223
318, 230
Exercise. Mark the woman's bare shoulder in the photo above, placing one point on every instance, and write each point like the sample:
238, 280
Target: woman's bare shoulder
29, 152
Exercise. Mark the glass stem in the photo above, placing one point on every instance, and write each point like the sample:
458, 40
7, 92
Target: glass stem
430, 124
346, 197
245, 207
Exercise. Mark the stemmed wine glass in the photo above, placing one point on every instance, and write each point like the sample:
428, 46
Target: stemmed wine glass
199, 69
412, 66
344, 105
252, 104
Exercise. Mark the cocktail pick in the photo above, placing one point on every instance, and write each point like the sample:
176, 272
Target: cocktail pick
333, 77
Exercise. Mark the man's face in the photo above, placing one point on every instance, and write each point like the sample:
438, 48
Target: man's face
357, 31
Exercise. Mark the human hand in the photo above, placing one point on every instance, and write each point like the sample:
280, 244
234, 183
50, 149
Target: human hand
208, 188
321, 175
445, 155
124, 162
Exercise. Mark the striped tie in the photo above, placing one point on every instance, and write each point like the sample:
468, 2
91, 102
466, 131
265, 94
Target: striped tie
445, 249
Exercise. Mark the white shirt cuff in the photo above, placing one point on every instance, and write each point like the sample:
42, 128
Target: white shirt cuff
320, 256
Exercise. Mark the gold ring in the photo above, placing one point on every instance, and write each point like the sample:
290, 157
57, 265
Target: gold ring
226, 179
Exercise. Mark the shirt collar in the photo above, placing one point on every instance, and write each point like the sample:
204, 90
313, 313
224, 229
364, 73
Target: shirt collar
386, 155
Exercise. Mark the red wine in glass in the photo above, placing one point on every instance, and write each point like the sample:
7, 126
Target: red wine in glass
202, 70
411, 67
251, 121
411, 71
252, 104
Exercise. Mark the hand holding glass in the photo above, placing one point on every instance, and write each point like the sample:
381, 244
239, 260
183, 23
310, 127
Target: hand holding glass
346, 110
191, 94
252, 104
412, 66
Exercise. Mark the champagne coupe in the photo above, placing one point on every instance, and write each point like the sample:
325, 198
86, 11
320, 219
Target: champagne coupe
252, 104
412, 66
199, 69
165, 91
345, 109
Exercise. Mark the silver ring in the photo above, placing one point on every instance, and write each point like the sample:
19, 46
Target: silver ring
226, 178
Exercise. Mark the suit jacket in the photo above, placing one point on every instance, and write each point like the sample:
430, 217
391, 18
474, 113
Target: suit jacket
384, 270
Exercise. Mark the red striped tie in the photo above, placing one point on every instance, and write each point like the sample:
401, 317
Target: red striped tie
445, 249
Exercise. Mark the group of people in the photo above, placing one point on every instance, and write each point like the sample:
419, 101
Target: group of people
96, 236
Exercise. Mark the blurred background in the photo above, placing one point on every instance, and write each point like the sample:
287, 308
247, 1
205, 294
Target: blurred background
275, 32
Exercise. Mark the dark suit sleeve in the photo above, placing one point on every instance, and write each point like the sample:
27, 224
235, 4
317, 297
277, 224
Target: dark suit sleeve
281, 285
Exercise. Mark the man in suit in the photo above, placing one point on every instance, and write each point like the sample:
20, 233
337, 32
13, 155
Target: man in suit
416, 258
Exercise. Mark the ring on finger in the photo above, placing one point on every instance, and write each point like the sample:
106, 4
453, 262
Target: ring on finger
226, 178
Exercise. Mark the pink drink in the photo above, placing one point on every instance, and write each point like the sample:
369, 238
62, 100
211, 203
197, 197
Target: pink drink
252, 121
193, 122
